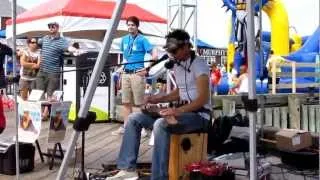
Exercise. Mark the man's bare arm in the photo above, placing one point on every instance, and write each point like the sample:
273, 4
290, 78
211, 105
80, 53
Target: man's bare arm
172, 96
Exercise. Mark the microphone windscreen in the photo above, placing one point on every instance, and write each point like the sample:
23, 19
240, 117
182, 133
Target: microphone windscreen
169, 64
164, 57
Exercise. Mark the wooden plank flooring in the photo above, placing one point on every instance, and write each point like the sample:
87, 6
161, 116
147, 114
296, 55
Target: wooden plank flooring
101, 148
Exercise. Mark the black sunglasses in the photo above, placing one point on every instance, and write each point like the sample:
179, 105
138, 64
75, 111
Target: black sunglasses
51, 26
33, 42
173, 51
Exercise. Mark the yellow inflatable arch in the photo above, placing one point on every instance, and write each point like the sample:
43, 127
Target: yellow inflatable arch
279, 29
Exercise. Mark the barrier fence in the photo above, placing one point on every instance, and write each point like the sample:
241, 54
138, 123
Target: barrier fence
295, 111
312, 70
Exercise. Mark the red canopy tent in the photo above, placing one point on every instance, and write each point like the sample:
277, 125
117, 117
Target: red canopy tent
83, 19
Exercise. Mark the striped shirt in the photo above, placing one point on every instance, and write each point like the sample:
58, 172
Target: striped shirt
52, 54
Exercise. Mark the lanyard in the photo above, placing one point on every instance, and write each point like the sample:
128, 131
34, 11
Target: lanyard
131, 44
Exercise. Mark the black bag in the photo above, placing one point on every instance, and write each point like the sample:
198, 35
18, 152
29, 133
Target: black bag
220, 130
8, 158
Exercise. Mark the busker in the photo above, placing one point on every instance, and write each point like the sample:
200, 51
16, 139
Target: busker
192, 78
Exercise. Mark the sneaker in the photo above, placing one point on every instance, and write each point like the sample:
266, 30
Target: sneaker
118, 131
144, 133
124, 175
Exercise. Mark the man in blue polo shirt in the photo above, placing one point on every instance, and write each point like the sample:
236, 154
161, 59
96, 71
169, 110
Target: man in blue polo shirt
53, 46
134, 47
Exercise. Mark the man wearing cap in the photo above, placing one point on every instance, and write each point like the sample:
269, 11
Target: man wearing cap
53, 46
192, 78
134, 47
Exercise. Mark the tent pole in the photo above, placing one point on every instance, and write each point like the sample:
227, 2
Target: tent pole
14, 58
102, 57
195, 27
252, 88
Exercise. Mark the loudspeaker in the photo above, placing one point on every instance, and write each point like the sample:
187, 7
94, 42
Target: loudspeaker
8, 158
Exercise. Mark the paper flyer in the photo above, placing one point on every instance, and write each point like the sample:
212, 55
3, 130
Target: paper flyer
58, 121
29, 121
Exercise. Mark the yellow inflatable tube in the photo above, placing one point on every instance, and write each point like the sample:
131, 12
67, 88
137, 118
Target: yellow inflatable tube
279, 26
279, 30
297, 42
230, 55
231, 47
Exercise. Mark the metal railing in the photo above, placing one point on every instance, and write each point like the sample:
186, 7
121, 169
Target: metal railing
294, 75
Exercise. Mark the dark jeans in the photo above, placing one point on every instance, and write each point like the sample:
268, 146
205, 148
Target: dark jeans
187, 122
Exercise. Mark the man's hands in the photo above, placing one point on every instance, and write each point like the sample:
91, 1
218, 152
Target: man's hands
170, 112
170, 115
153, 99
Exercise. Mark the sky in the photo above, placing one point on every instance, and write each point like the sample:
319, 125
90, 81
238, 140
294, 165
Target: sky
213, 21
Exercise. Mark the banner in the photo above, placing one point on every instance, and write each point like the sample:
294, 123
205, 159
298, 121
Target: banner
29, 121
58, 121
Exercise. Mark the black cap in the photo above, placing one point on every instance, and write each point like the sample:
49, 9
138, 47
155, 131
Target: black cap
176, 39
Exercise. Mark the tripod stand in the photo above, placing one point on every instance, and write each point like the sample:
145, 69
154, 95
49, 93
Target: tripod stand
85, 79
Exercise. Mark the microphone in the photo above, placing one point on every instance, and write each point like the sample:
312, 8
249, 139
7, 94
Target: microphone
164, 57
170, 64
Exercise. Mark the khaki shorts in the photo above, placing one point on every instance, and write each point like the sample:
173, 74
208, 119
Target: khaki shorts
133, 88
48, 82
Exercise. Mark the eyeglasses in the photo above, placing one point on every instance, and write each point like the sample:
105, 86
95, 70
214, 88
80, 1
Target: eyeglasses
131, 25
33, 42
51, 26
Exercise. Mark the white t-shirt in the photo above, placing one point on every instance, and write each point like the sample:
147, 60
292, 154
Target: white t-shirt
187, 80
244, 85
232, 75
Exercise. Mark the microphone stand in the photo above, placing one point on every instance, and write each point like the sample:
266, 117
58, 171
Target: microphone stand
120, 64
82, 174
81, 123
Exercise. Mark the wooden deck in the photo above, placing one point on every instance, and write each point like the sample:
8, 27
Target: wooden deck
101, 148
